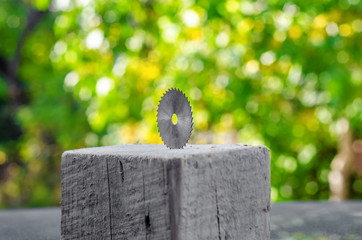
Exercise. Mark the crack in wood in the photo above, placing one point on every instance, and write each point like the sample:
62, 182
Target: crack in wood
267, 208
109, 201
217, 213
148, 226
121, 170
147, 212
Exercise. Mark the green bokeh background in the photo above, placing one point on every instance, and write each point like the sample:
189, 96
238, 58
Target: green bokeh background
91, 72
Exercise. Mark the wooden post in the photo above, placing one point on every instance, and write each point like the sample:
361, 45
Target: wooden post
150, 192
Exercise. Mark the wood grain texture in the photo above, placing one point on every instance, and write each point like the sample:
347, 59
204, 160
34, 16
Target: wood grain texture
85, 197
151, 192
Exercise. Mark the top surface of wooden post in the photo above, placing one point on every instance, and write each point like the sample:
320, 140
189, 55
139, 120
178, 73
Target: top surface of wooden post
161, 151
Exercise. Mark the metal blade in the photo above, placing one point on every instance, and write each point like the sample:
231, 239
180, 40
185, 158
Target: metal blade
176, 135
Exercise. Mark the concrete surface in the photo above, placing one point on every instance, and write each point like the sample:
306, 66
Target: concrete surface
289, 220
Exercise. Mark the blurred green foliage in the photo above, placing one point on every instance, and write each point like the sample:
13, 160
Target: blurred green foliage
277, 73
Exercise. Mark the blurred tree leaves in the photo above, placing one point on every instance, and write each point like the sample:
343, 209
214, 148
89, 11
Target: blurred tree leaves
257, 72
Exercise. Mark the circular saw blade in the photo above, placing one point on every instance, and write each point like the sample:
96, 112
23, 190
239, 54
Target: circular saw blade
176, 135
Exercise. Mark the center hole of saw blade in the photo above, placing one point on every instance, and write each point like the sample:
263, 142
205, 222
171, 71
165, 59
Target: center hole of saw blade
174, 119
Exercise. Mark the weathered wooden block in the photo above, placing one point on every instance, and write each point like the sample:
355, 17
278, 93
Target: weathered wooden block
151, 192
